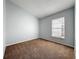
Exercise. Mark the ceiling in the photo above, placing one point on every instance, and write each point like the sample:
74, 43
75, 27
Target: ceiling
41, 8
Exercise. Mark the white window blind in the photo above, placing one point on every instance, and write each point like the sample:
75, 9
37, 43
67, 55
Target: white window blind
58, 27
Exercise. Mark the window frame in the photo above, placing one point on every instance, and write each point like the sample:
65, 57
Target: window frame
63, 28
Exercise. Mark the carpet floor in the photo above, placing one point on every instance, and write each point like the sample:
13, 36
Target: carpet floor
39, 49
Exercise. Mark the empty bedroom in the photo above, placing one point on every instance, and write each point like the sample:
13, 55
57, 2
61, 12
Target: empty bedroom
39, 29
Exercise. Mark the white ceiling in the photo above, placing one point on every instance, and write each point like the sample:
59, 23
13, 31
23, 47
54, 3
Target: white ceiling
41, 8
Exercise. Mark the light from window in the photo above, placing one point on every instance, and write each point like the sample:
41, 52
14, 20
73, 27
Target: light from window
58, 27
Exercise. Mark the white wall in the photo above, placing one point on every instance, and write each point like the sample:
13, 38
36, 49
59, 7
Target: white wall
20, 25
46, 27
4, 18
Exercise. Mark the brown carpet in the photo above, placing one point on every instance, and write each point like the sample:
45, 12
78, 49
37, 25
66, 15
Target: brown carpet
39, 49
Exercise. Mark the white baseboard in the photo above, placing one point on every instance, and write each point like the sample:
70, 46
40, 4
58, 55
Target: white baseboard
19, 42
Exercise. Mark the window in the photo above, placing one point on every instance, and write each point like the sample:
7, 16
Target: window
58, 27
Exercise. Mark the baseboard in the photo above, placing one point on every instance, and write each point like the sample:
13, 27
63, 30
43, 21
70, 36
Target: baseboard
42, 39
20, 42
58, 42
